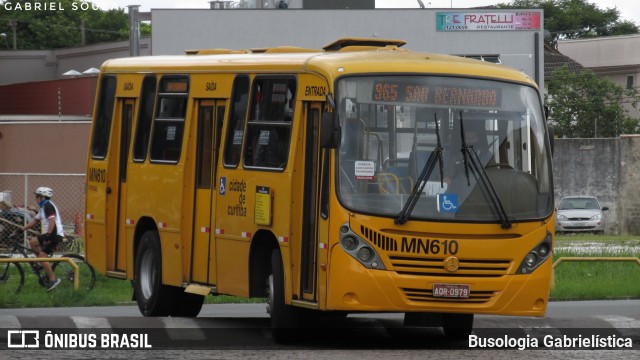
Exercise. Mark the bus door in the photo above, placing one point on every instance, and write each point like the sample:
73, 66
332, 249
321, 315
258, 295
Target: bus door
313, 226
210, 115
117, 185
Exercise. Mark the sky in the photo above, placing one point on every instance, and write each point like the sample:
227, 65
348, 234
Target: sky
629, 9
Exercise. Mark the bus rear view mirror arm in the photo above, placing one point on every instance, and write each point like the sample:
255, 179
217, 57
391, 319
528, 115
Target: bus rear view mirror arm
330, 130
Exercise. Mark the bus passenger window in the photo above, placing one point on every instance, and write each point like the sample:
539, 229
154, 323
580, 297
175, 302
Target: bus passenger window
168, 126
270, 120
171, 108
145, 116
235, 127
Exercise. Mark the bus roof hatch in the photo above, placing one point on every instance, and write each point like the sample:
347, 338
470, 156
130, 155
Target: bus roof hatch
375, 42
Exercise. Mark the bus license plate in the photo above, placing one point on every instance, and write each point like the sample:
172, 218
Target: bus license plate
451, 290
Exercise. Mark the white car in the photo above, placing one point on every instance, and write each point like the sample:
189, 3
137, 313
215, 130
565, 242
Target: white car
580, 214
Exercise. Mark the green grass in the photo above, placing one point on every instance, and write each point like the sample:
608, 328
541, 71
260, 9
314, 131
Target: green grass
573, 280
596, 280
106, 292
593, 280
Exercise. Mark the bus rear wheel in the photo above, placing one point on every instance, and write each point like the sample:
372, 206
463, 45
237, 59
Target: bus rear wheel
153, 298
284, 318
457, 326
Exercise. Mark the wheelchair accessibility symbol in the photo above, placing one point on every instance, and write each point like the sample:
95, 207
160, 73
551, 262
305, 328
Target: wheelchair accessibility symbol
223, 185
448, 203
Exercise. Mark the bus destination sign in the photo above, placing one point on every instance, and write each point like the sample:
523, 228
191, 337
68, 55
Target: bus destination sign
412, 93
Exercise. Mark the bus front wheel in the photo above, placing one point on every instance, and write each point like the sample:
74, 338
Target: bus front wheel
284, 318
153, 298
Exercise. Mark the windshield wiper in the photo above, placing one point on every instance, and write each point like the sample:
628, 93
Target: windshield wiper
421, 182
471, 157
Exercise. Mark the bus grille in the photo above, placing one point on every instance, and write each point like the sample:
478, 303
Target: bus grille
385, 243
426, 295
406, 265
412, 265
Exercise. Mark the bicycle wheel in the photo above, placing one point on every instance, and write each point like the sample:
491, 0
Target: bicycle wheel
11, 275
64, 271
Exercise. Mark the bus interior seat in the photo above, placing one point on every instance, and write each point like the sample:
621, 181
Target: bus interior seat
395, 181
388, 183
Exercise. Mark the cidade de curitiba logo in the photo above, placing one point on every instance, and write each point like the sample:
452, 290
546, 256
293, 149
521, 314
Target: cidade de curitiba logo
77, 5
36, 339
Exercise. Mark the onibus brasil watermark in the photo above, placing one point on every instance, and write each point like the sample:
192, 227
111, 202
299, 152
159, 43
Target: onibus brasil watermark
33, 339
593, 341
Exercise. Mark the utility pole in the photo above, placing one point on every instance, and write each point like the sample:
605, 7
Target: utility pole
134, 30
13, 23
82, 36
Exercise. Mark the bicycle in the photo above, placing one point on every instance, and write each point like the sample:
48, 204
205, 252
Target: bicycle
12, 274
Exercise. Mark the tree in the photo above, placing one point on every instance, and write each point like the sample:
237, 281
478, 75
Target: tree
583, 105
575, 19
49, 29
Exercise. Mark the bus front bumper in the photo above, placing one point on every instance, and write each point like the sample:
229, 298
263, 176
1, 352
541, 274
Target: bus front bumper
386, 291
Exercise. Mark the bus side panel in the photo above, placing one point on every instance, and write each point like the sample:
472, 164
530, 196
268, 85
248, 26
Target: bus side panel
232, 259
95, 241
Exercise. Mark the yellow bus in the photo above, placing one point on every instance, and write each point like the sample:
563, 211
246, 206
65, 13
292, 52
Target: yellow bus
361, 177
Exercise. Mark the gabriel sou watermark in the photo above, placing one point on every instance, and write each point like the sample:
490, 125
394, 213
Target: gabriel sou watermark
56, 6
551, 342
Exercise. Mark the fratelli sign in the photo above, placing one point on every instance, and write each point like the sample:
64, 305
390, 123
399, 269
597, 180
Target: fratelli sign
474, 21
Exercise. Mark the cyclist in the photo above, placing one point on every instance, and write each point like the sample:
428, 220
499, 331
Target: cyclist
46, 243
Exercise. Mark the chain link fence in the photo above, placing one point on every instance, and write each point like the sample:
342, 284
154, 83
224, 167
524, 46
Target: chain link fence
18, 205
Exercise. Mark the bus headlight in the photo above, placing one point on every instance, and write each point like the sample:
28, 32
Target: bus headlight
536, 256
359, 249
531, 259
544, 249
365, 254
349, 243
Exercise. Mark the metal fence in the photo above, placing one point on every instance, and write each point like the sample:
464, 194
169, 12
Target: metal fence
68, 195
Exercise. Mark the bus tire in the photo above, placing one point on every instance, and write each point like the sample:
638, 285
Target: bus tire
457, 326
284, 318
189, 305
153, 298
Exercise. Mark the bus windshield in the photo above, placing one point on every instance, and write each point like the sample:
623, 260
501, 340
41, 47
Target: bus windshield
390, 127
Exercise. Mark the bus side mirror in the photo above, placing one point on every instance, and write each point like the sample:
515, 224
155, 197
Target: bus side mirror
552, 134
330, 130
550, 130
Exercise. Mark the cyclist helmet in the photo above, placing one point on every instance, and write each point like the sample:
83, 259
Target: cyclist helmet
44, 191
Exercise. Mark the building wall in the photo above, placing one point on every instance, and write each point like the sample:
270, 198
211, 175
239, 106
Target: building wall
27, 66
606, 168
175, 31
53, 147
629, 195
612, 57
604, 51
36, 151
61, 97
